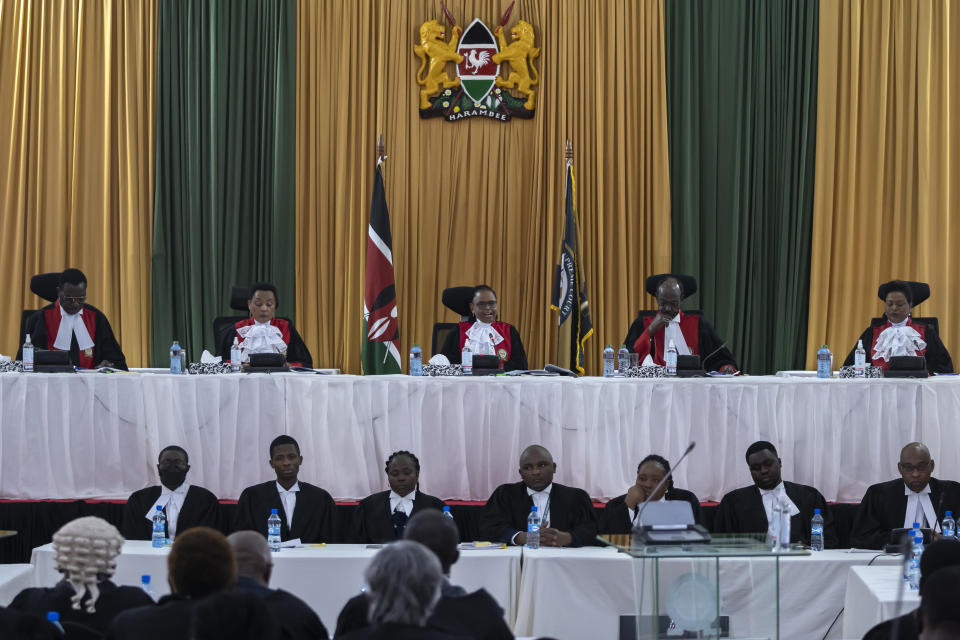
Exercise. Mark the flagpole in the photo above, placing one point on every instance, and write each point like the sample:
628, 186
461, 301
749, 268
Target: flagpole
381, 149
568, 160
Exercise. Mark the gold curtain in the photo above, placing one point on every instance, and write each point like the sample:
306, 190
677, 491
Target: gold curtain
76, 156
479, 201
888, 164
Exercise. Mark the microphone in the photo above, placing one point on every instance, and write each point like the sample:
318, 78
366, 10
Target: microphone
643, 506
552, 368
712, 353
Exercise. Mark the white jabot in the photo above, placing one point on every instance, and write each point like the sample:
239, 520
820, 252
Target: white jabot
260, 337
289, 499
672, 332
482, 339
404, 502
172, 502
899, 339
71, 324
769, 497
919, 509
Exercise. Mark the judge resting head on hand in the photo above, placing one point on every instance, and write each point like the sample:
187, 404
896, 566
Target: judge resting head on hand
172, 466
536, 470
285, 460
483, 305
915, 466
650, 472
403, 472
764, 465
669, 296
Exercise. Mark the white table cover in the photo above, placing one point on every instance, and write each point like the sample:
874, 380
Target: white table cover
98, 435
325, 577
872, 597
14, 578
580, 593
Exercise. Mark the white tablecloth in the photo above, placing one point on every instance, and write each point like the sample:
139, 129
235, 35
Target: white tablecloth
98, 435
14, 578
580, 593
872, 597
325, 577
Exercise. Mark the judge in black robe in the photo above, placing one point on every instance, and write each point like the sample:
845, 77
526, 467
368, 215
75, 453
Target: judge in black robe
619, 514
377, 520
483, 308
314, 510
742, 510
568, 510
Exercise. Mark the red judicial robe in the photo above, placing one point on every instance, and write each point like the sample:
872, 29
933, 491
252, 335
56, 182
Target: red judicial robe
938, 358
514, 357
297, 353
699, 334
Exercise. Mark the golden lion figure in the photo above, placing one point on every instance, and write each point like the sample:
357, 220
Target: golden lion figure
440, 53
518, 53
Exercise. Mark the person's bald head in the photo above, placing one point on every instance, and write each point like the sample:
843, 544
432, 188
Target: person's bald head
537, 467
669, 297
436, 532
253, 555
915, 466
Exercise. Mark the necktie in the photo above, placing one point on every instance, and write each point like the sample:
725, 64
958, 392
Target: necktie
399, 519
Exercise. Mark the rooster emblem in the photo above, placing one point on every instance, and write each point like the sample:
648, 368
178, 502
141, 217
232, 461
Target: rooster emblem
476, 60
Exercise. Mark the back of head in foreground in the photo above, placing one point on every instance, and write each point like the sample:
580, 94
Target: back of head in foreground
233, 615
939, 615
86, 551
403, 582
437, 533
201, 562
253, 556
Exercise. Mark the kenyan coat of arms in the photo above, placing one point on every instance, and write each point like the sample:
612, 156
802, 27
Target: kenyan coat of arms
494, 78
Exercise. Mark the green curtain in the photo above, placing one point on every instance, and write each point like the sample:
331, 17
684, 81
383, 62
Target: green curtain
224, 201
741, 119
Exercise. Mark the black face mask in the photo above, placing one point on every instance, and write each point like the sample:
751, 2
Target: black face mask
172, 478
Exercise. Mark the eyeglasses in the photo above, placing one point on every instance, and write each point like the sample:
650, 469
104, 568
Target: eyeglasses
486, 305
910, 468
73, 299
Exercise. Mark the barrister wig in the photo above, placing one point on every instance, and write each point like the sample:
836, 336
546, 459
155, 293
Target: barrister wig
86, 551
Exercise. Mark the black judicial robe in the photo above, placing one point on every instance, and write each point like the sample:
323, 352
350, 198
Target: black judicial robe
374, 524
111, 601
200, 509
884, 505
937, 356
313, 516
712, 350
518, 357
507, 509
741, 511
615, 517
169, 618
297, 620
906, 631
105, 345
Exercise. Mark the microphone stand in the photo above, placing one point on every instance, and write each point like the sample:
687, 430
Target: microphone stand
636, 518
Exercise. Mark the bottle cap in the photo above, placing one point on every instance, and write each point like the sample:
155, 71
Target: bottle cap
534, 508
53, 616
159, 508
145, 578
609, 346
416, 344
816, 512
272, 511
949, 514
447, 508
916, 525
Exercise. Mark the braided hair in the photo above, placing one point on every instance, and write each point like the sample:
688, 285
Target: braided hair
660, 460
397, 454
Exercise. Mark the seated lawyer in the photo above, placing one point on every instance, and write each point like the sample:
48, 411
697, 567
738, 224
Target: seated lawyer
748, 510
915, 496
184, 505
383, 516
262, 332
692, 334
566, 513
69, 324
306, 512
621, 512
485, 334
896, 334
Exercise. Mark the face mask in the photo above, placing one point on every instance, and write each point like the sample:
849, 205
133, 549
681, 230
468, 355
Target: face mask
172, 478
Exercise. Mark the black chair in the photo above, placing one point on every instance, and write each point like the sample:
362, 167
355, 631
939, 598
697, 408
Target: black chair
43, 285
440, 332
458, 300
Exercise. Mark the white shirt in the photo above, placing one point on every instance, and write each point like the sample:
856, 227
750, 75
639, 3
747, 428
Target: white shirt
172, 501
919, 509
404, 502
72, 324
541, 500
770, 496
672, 332
289, 499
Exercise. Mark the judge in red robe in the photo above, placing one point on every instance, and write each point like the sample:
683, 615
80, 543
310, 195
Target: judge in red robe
69, 324
691, 333
897, 334
485, 334
259, 338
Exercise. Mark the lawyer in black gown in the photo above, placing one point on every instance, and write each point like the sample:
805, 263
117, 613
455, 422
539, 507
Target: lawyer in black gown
382, 516
744, 510
184, 505
306, 512
111, 602
884, 505
618, 516
69, 321
485, 334
566, 513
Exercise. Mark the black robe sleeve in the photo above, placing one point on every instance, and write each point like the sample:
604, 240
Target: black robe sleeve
200, 509
106, 346
135, 525
296, 351
714, 353
518, 357
868, 530
867, 338
938, 358
451, 346
579, 519
636, 328
243, 519
499, 520
615, 517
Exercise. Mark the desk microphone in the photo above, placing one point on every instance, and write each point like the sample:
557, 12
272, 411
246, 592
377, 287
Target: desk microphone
643, 506
552, 368
703, 363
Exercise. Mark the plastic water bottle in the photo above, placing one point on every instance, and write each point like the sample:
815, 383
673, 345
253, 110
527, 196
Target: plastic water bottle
273, 530
816, 531
608, 361
159, 528
176, 363
466, 360
27, 358
670, 358
949, 526
145, 585
784, 538
235, 355
914, 532
533, 521
823, 362
416, 360
623, 360
773, 526
53, 617
446, 512
859, 361
915, 554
